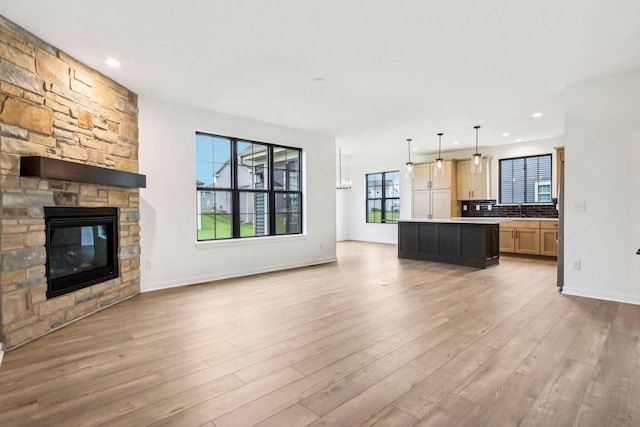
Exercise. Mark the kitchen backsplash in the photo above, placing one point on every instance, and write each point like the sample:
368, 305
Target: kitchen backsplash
480, 208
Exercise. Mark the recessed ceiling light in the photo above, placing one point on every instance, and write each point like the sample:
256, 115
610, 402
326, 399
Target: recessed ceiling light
506, 134
519, 140
455, 142
536, 115
112, 62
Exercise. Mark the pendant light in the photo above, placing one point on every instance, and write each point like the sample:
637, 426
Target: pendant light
409, 172
476, 158
342, 184
439, 161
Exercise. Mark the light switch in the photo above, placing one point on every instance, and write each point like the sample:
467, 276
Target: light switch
579, 206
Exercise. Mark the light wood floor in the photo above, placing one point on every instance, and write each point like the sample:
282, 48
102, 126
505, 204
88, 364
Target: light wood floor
370, 340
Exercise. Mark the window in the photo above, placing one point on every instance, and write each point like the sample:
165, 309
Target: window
383, 197
246, 188
525, 179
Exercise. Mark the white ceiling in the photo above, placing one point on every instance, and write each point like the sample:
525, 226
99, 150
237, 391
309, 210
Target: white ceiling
392, 69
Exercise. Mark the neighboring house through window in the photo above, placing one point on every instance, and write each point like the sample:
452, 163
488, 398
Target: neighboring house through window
246, 188
383, 197
525, 179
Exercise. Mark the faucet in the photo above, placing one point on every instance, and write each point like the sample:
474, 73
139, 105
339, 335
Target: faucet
520, 209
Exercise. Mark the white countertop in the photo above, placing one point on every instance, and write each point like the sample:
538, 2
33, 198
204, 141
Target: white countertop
478, 220
461, 220
510, 218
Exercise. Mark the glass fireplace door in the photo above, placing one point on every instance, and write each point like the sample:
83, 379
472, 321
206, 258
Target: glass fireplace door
82, 246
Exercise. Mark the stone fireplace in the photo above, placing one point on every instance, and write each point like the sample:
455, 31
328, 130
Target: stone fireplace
54, 107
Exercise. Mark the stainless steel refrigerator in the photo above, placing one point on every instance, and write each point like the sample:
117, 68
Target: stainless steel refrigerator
561, 228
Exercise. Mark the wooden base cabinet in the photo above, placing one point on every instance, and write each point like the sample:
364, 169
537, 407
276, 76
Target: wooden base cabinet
507, 239
527, 241
548, 238
529, 237
520, 237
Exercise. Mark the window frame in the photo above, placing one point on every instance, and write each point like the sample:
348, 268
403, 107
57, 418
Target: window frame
524, 158
383, 199
270, 192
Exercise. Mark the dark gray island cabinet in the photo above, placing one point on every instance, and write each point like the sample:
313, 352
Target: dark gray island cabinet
464, 242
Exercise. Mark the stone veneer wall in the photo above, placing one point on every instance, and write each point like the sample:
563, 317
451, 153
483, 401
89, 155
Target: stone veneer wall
53, 106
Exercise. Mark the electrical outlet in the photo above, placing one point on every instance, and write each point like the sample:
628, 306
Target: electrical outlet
464, 207
148, 265
576, 265
489, 207
477, 207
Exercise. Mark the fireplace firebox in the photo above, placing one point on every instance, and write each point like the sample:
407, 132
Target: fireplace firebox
82, 247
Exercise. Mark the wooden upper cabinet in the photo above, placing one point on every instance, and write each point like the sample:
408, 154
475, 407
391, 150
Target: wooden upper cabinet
444, 181
480, 182
424, 176
421, 177
463, 172
473, 186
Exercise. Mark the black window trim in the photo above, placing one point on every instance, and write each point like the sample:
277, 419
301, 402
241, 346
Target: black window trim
501, 203
271, 192
382, 199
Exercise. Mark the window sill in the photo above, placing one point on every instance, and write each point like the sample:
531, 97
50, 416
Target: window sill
248, 241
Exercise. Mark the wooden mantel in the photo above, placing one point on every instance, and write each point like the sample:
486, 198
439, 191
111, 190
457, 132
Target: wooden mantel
63, 170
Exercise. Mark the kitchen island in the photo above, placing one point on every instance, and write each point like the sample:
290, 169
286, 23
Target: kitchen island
474, 242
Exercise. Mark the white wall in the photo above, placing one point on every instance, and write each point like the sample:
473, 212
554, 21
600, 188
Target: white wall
351, 205
602, 170
170, 255
354, 206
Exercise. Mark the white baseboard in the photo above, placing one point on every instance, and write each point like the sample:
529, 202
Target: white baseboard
245, 272
607, 296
